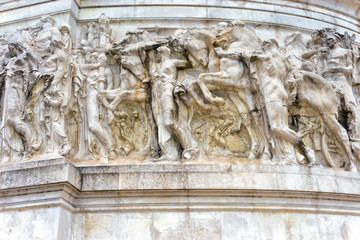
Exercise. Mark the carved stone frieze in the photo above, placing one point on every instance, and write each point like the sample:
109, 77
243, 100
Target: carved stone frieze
196, 94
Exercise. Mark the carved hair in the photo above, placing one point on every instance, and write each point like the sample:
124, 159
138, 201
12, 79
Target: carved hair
164, 50
65, 26
18, 46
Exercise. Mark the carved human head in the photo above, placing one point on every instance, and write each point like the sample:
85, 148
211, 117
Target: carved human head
177, 42
15, 48
164, 51
102, 58
94, 57
49, 22
332, 39
65, 28
237, 23
308, 66
103, 19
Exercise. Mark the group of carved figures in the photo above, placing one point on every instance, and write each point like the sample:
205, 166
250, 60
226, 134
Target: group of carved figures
197, 94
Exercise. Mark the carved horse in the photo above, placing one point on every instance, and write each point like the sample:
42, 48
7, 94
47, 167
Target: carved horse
199, 44
132, 54
318, 93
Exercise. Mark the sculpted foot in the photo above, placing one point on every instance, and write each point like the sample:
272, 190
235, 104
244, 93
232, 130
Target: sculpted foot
254, 152
65, 150
350, 166
310, 155
218, 101
190, 154
112, 155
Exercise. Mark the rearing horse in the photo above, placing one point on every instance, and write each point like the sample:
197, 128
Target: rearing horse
225, 73
132, 54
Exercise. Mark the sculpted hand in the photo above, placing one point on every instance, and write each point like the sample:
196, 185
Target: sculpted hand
93, 85
297, 76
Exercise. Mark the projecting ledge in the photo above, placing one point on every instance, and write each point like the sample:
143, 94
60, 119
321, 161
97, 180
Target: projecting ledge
182, 176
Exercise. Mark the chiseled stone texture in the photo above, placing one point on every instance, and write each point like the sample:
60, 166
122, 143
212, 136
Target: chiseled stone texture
134, 198
217, 225
178, 201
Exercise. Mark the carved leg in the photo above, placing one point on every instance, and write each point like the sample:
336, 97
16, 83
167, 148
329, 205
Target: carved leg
61, 138
341, 135
188, 143
118, 95
25, 133
217, 101
205, 78
138, 95
224, 81
198, 100
277, 114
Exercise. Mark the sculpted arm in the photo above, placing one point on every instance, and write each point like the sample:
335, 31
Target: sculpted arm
236, 55
181, 63
309, 54
258, 55
90, 66
349, 66
149, 45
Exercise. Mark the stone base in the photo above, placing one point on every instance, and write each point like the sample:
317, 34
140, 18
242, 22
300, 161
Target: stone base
54, 199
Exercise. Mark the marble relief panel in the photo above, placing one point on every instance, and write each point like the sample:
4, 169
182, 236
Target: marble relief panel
193, 95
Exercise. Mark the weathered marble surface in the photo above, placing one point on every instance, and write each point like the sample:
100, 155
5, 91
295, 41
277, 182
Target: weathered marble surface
137, 120
190, 95
162, 201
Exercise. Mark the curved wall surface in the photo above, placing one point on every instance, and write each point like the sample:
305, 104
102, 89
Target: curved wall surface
214, 197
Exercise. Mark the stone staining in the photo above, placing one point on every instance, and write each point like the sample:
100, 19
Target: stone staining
195, 96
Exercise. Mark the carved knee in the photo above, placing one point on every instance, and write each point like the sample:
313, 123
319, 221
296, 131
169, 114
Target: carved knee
169, 125
94, 127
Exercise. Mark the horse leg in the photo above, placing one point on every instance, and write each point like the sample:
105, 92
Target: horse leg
341, 135
137, 95
224, 80
198, 100
217, 101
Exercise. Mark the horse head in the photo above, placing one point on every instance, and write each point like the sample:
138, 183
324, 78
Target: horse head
133, 59
198, 43
222, 39
134, 37
237, 35
131, 53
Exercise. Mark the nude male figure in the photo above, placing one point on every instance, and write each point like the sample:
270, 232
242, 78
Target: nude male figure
164, 107
273, 70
